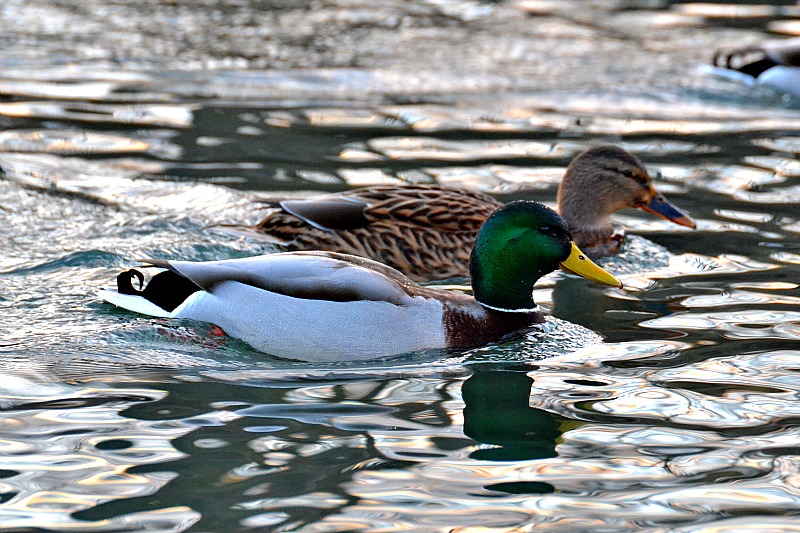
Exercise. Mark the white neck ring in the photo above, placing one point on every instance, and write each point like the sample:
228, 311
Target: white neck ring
534, 309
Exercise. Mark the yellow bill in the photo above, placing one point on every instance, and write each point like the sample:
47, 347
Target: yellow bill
577, 263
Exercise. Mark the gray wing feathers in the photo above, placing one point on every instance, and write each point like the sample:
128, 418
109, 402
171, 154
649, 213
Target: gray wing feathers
329, 213
307, 275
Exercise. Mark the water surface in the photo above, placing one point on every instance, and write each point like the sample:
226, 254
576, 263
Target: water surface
128, 130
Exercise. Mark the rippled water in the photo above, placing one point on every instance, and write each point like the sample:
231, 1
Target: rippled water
129, 130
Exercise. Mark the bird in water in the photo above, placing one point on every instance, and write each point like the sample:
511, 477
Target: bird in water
427, 232
776, 64
328, 306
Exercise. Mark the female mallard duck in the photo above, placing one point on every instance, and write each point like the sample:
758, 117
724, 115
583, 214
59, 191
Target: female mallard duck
776, 64
427, 232
326, 306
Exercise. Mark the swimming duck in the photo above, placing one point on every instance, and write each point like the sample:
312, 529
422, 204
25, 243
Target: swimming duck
427, 232
328, 306
776, 64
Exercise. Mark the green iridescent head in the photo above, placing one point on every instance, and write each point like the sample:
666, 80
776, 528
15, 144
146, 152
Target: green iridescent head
518, 244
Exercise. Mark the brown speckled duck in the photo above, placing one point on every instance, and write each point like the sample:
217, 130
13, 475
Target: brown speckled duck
427, 232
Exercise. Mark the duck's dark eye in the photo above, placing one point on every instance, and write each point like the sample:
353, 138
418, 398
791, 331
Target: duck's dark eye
627, 173
547, 230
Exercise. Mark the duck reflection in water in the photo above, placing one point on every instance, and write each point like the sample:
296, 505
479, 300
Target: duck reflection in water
497, 412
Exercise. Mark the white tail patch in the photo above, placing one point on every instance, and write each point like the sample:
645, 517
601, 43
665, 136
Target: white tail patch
133, 302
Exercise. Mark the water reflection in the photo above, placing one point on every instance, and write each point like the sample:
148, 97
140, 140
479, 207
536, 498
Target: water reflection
67, 449
496, 413
129, 132
550, 440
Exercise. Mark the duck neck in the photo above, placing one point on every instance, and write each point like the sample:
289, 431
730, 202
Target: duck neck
588, 236
587, 216
506, 295
503, 280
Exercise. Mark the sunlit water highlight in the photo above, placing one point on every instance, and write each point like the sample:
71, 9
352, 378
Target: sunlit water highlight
669, 405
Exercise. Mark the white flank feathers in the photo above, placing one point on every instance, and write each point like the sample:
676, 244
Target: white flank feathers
318, 330
780, 78
306, 329
784, 79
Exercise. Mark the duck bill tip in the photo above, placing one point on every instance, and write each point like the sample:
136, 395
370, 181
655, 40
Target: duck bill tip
661, 207
685, 221
579, 264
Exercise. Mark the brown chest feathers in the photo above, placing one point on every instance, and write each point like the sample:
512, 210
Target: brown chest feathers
466, 329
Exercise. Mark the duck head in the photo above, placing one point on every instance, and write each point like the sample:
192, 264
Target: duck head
602, 181
518, 244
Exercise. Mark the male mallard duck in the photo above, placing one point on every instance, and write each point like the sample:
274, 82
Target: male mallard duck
776, 64
327, 306
427, 232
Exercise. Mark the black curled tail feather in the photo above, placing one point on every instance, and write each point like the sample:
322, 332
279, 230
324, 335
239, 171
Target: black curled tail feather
166, 289
752, 61
124, 284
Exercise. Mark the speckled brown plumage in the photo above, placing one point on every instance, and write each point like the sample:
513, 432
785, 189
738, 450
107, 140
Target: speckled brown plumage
425, 232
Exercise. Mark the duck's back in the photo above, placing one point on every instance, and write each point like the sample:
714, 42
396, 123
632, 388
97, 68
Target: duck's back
425, 232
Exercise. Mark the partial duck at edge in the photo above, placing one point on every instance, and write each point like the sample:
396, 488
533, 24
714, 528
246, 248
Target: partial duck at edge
775, 64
